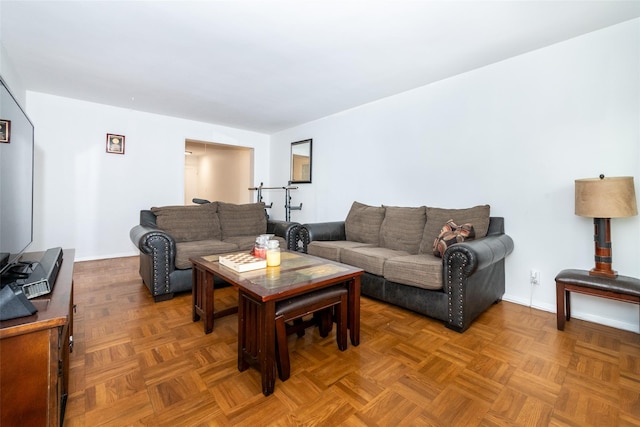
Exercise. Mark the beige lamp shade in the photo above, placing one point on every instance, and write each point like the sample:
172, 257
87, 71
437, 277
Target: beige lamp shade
606, 197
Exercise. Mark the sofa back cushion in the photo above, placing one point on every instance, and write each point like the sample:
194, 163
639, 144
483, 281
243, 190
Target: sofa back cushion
402, 228
242, 220
189, 223
363, 223
478, 216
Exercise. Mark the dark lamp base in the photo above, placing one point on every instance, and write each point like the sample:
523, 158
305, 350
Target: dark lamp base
602, 239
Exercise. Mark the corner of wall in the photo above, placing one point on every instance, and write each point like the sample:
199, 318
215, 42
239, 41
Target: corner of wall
11, 78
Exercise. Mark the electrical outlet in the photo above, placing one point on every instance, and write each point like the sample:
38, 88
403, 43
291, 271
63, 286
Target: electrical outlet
534, 277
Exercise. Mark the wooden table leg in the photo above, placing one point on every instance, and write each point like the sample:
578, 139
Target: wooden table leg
195, 292
267, 345
560, 305
243, 365
208, 302
354, 310
202, 296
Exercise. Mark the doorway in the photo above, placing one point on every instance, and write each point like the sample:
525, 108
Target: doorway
217, 172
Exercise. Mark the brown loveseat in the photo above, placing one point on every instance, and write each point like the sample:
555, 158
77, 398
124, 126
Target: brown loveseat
394, 245
168, 236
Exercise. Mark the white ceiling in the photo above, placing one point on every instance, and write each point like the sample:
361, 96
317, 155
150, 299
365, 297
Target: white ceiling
270, 65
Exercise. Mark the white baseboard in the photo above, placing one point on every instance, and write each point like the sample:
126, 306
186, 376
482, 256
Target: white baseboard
99, 257
589, 317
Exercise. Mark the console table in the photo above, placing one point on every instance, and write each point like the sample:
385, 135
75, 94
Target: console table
34, 355
621, 288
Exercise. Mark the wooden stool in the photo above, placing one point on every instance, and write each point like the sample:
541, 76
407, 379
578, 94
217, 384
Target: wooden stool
295, 308
621, 288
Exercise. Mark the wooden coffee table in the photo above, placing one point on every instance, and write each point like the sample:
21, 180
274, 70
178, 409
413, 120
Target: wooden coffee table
259, 290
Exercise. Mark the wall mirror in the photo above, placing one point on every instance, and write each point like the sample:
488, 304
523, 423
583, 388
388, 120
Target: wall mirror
301, 162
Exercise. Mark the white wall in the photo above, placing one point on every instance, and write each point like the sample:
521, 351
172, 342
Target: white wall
88, 199
516, 135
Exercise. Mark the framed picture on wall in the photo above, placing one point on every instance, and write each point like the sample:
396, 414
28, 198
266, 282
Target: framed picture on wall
115, 143
5, 131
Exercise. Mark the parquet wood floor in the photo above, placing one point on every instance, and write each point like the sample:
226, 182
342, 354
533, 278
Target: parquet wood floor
140, 363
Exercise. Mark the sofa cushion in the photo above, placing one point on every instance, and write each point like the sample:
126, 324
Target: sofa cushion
242, 220
370, 259
363, 223
402, 228
330, 249
478, 216
187, 223
422, 271
186, 250
452, 233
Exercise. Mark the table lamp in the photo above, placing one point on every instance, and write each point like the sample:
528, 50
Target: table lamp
602, 199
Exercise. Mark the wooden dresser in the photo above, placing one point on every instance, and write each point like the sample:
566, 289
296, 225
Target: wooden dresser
34, 355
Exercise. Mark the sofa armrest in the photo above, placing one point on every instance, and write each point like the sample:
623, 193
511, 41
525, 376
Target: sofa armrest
287, 230
480, 253
474, 277
157, 257
307, 233
151, 239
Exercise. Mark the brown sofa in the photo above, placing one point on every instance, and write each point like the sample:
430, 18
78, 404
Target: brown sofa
168, 236
394, 245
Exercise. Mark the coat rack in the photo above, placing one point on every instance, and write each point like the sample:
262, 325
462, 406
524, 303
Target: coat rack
287, 198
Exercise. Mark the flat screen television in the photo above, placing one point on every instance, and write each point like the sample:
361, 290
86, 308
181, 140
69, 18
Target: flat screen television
16, 179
